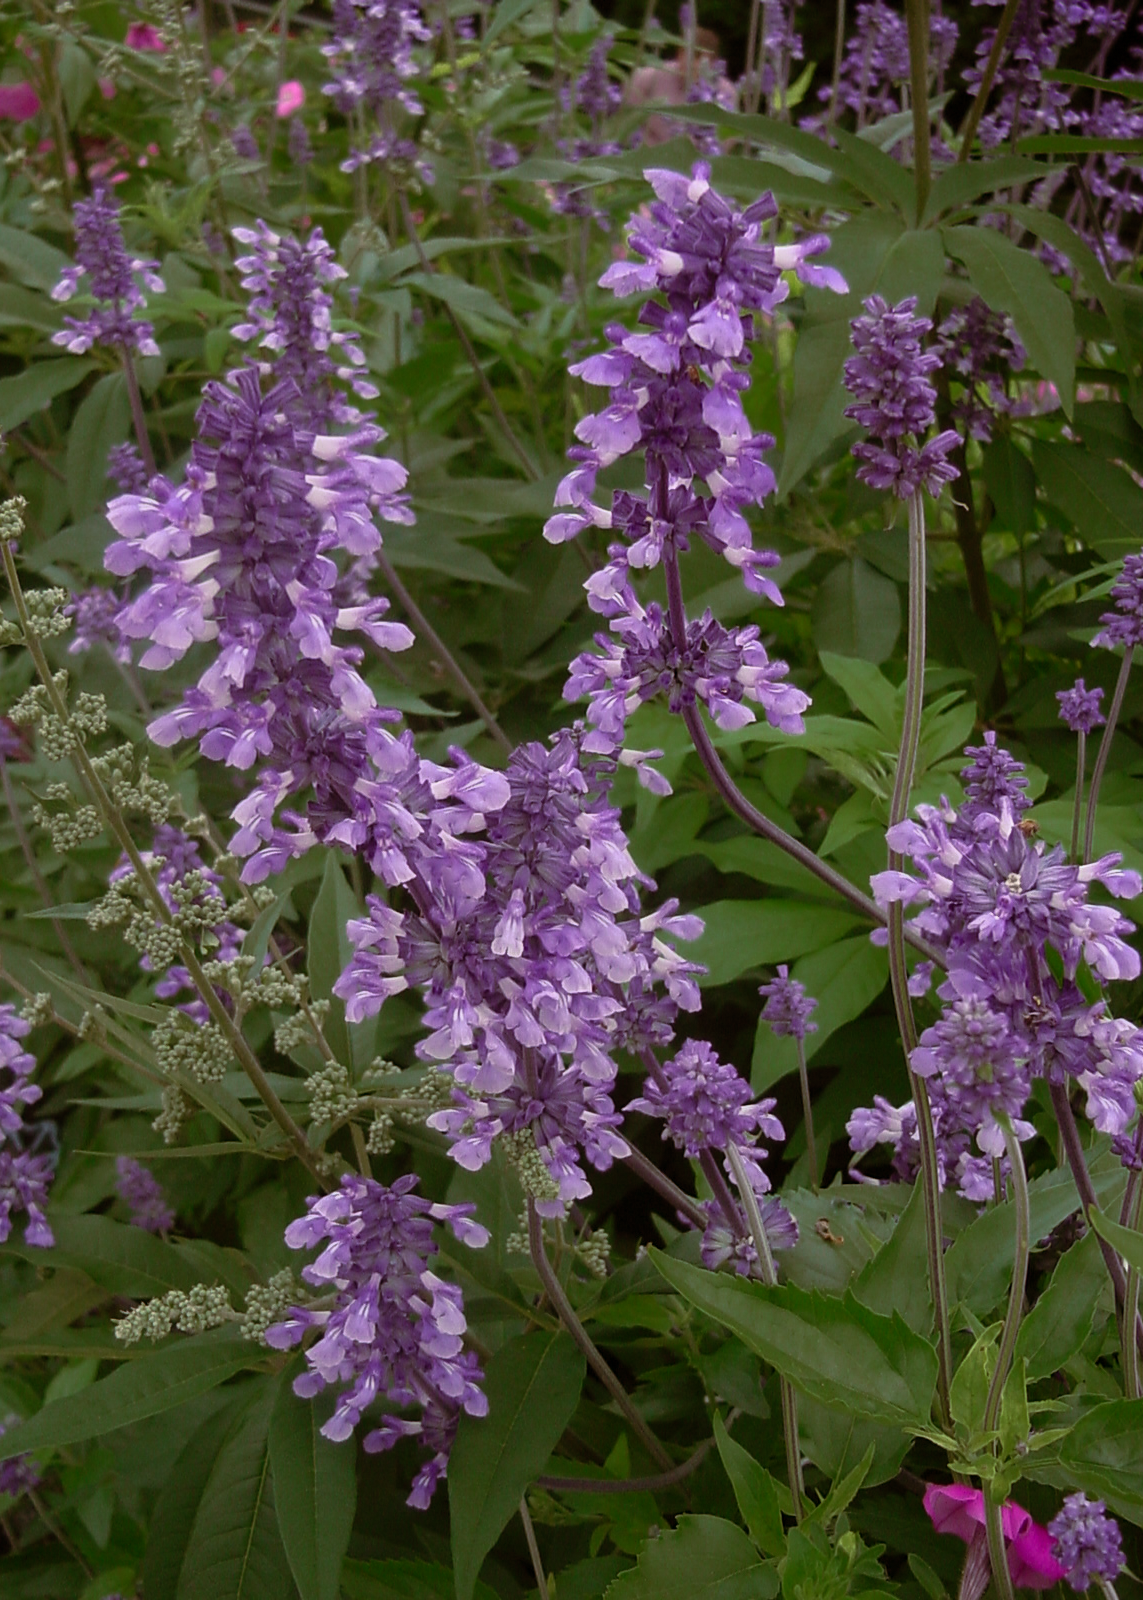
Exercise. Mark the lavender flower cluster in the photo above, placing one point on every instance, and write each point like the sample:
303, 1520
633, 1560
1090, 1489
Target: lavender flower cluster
102, 259
1022, 940
890, 377
372, 57
394, 1329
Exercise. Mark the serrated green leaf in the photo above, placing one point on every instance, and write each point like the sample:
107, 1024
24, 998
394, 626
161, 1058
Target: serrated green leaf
755, 1492
1059, 1323
700, 1558
835, 1348
1103, 1455
533, 1385
897, 1279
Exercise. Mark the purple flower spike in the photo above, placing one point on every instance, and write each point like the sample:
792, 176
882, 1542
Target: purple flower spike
25, 1177
1124, 625
1079, 707
788, 1007
706, 1104
394, 1330
895, 400
1086, 1542
101, 258
141, 1190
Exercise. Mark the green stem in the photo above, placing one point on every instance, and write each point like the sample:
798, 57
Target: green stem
770, 1278
1129, 1342
997, 1549
991, 66
898, 971
1019, 1274
1105, 750
554, 1290
138, 416
917, 17
533, 1549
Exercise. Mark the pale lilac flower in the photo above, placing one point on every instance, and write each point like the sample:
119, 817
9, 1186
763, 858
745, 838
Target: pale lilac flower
125, 468
1086, 1542
25, 1177
110, 274
139, 1189
395, 1330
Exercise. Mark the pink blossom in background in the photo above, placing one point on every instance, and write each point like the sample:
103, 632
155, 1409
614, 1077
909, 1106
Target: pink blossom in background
956, 1508
107, 88
18, 101
291, 98
142, 36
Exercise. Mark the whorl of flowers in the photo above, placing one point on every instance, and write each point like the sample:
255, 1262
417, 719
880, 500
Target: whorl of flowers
395, 1330
1079, 707
895, 400
525, 936
290, 315
706, 1106
788, 1007
1086, 1542
875, 67
1015, 924
978, 347
25, 1176
139, 1189
1124, 626
102, 259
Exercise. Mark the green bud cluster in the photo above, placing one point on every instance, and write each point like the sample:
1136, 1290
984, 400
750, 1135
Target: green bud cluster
380, 1138
46, 617
266, 1302
520, 1151
38, 1010
298, 1029
332, 1095
198, 1050
136, 790
72, 826
176, 1110
193, 1312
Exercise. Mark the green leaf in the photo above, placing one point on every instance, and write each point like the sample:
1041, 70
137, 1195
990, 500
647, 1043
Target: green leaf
507, 12
897, 1279
142, 1388
755, 1492
31, 259
838, 1442
102, 420
472, 304
1103, 1455
845, 978
19, 308
1067, 144
1060, 1322
701, 1558
1129, 88
835, 1348
173, 1517
403, 1580
1125, 1241
28, 392
121, 1259
315, 1491
961, 183
1104, 502
1011, 483
533, 1385
869, 690
742, 934
329, 950
77, 79
1012, 280
858, 610
235, 1551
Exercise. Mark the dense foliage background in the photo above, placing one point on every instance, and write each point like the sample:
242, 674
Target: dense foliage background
183, 1465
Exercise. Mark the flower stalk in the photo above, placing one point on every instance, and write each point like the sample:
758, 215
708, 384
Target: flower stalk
1105, 751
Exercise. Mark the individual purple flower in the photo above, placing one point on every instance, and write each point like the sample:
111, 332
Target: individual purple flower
19, 1473
126, 469
788, 1007
95, 612
139, 1189
290, 316
1124, 625
394, 1330
1086, 1542
102, 259
1079, 707
895, 400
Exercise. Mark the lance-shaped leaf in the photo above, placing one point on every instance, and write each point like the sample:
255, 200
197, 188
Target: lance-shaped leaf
315, 1491
835, 1348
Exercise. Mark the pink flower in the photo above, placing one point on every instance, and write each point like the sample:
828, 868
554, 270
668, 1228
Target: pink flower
107, 88
142, 36
957, 1509
18, 101
291, 98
